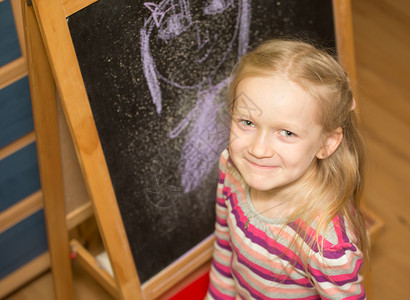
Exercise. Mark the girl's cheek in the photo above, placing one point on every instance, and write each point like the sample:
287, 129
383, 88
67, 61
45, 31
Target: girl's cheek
284, 149
234, 136
236, 131
240, 140
233, 132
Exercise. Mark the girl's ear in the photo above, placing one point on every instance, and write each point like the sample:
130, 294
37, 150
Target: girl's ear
331, 143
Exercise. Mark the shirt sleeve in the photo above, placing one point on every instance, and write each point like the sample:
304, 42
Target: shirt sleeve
335, 272
221, 282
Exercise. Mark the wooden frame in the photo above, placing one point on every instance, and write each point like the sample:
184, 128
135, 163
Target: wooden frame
46, 128
50, 48
9, 74
343, 22
46, 25
17, 68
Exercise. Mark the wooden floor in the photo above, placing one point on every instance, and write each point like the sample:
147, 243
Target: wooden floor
85, 288
382, 40
382, 37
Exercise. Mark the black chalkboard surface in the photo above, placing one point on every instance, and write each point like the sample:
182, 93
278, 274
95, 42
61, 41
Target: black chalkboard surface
156, 75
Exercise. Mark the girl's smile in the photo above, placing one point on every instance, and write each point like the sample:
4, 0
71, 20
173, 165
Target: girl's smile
260, 165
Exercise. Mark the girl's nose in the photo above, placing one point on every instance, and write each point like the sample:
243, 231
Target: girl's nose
261, 146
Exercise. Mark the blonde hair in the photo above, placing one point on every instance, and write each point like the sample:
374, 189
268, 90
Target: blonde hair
335, 184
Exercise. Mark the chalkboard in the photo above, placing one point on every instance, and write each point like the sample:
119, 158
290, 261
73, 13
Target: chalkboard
156, 76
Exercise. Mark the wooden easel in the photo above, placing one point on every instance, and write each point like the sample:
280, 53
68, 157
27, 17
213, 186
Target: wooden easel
47, 144
53, 66
50, 56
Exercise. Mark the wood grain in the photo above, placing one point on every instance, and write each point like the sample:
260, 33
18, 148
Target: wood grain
343, 20
382, 40
179, 270
17, 145
75, 190
48, 148
21, 210
70, 86
85, 287
13, 71
90, 264
18, 20
72, 6
24, 275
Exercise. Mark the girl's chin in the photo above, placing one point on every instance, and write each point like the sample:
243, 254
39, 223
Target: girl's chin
261, 187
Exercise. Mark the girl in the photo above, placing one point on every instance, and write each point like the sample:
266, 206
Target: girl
288, 219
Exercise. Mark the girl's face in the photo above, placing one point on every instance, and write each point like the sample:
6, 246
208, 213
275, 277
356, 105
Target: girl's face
275, 135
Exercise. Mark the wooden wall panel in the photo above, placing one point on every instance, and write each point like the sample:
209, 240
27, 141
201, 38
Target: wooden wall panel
382, 40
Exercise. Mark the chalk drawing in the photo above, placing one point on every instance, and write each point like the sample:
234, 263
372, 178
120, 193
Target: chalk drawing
206, 131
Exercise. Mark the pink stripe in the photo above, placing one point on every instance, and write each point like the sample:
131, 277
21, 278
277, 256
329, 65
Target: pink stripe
352, 290
310, 236
258, 295
221, 174
362, 295
219, 295
221, 221
256, 267
223, 268
252, 230
329, 250
340, 230
224, 257
223, 233
259, 233
220, 201
284, 280
338, 279
269, 275
224, 244
248, 287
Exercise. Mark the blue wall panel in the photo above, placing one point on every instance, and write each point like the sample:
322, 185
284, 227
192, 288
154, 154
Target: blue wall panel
16, 118
19, 176
22, 243
9, 44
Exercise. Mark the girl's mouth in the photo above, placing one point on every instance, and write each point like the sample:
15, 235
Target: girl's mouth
261, 166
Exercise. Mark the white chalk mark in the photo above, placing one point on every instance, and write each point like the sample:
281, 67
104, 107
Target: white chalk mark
172, 19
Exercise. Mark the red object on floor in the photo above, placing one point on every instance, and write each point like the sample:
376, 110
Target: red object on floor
195, 291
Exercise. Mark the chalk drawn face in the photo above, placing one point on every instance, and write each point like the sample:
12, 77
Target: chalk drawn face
184, 45
189, 42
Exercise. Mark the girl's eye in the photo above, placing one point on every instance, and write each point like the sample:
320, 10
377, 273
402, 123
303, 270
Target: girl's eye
287, 133
247, 123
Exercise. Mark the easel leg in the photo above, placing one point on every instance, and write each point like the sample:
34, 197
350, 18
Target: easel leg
43, 95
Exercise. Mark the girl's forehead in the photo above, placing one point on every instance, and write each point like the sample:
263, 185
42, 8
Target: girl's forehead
275, 97
274, 90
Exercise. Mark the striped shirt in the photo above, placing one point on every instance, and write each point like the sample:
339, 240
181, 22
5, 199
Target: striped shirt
252, 257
